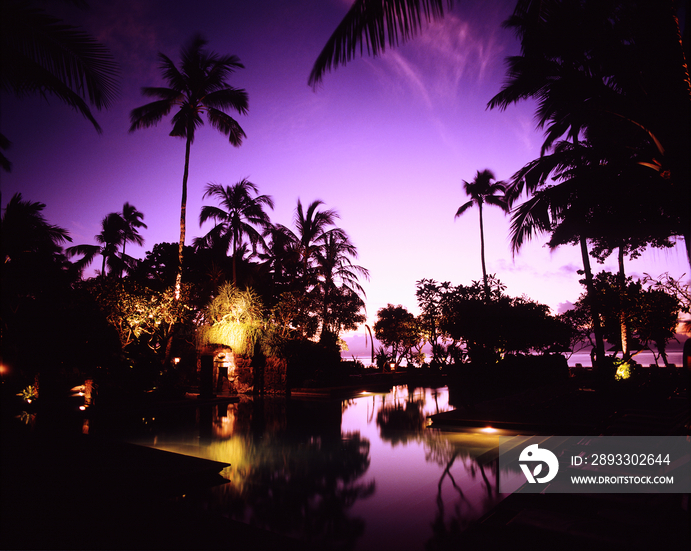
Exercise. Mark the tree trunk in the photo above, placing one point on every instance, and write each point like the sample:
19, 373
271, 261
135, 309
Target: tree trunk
622, 301
235, 252
122, 266
482, 253
183, 213
594, 312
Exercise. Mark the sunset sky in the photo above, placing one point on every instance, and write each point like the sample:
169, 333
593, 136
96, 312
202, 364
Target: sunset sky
386, 141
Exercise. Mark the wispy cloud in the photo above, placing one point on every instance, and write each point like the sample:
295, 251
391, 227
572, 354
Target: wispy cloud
448, 56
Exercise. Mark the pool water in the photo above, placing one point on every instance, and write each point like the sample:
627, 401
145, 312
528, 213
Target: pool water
361, 473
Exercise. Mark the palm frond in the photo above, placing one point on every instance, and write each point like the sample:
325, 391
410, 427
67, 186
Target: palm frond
228, 98
227, 125
42, 54
371, 25
529, 219
150, 114
464, 207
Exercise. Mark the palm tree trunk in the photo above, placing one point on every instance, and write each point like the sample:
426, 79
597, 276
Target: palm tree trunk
183, 213
590, 287
103, 265
482, 252
622, 300
122, 267
235, 251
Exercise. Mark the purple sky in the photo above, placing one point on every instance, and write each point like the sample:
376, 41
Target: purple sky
385, 141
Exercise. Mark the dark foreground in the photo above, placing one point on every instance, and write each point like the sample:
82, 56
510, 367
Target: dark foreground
81, 492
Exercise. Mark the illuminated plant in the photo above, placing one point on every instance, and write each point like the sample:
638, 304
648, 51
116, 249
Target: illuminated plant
29, 394
234, 319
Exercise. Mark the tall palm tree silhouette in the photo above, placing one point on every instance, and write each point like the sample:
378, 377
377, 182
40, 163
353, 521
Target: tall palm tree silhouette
483, 190
132, 221
239, 215
199, 86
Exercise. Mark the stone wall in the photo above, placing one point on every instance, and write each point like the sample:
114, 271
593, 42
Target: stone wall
242, 374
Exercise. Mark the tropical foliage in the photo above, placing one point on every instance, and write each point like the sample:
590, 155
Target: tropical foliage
116, 229
371, 25
141, 316
240, 215
397, 329
235, 319
651, 314
470, 326
41, 306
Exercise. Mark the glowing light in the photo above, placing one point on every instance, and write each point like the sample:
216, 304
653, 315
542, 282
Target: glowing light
83, 408
176, 361
623, 371
488, 430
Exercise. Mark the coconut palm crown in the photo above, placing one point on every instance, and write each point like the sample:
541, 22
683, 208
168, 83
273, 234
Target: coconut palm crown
239, 215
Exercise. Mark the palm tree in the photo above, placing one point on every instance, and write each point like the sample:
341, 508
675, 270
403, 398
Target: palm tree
132, 221
578, 61
109, 240
31, 253
483, 190
598, 74
336, 272
199, 86
562, 209
25, 231
372, 24
40, 54
239, 215
313, 230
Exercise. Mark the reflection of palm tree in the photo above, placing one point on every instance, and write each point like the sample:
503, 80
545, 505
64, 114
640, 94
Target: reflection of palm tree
199, 86
132, 221
241, 217
41, 54
483, 190
109, 239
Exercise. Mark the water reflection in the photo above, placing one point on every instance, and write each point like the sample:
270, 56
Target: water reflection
362, 473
